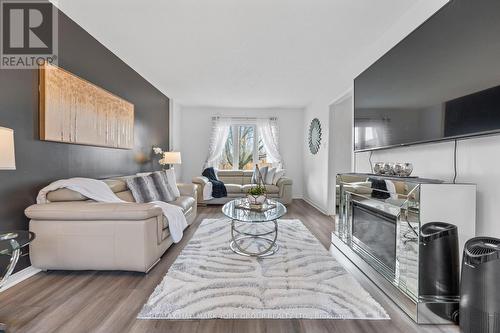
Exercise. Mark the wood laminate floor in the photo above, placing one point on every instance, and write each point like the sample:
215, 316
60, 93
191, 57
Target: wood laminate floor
90, 301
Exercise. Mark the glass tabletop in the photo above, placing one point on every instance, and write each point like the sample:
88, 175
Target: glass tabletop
14, 240
230, 210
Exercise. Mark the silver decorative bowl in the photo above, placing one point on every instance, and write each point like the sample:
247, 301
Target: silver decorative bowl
408, 169
378, 168
399, 169
388, 168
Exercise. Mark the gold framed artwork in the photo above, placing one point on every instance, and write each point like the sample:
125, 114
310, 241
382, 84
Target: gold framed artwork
73, 110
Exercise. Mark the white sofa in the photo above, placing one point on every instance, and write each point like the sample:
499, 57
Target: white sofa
74, 233
238, 182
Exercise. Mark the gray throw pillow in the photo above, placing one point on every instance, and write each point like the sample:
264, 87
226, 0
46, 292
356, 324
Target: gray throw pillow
163, 186
143, 188
255, 176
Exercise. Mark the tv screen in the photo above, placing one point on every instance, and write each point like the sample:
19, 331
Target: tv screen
441, 82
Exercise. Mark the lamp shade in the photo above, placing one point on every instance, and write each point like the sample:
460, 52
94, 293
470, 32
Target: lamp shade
172, 157
7, 156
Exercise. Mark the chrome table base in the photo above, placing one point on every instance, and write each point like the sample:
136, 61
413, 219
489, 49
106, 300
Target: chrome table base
238, 235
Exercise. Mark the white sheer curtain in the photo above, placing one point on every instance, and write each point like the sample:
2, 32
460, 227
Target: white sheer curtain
220, 131
269, 132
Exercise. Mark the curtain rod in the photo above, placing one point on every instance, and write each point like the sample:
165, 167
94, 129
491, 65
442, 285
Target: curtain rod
243, 118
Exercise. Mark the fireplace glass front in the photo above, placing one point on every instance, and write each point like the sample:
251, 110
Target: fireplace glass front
374, 232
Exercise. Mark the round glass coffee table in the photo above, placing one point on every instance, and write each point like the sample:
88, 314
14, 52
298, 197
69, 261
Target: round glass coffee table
11, 243
266, 238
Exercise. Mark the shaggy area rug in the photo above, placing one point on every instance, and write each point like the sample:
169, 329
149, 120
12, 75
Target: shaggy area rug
301, 280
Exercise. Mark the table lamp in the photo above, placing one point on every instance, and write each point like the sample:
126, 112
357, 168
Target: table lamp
172, 157
7, 155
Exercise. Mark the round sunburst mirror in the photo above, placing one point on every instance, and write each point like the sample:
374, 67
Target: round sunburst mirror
314, 135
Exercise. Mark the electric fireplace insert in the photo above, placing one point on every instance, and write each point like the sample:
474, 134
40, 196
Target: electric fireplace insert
374, 231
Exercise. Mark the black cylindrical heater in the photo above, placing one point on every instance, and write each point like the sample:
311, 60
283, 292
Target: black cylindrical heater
479, 288
439, 269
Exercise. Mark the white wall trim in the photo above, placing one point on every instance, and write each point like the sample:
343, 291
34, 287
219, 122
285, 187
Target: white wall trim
20, 276
343, 96
309, 201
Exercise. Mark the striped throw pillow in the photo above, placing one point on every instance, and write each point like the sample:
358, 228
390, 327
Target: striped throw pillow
164, 186
143, 189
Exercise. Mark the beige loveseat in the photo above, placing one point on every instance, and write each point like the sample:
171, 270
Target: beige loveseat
74, 233
238, 182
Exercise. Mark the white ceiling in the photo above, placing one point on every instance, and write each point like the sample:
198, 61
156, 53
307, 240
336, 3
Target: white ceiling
238, 53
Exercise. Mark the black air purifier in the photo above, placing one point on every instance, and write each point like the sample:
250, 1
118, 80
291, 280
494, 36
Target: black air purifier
480, 286
439, 268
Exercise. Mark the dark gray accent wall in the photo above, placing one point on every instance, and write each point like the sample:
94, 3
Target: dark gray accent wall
40, 162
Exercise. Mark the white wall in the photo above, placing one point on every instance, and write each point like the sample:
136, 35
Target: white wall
195, 127
316, 166
174, 131
340, 158
477, 162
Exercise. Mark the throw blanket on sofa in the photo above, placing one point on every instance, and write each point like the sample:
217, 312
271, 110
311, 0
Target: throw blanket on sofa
99, 191
218, 187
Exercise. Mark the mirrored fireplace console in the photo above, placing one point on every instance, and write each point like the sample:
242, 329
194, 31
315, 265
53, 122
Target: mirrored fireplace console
387, 227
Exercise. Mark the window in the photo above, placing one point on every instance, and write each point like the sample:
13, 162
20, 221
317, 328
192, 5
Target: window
243, 149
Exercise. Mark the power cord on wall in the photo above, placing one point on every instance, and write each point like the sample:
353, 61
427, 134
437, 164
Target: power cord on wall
455, 162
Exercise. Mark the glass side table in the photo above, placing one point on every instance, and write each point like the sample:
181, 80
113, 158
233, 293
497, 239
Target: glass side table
11, 243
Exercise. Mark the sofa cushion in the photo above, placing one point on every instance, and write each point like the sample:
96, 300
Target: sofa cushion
64, 194
257, 177
126, 196
233, 188
277, 176
229, 173
271, 172
163, 186
231, 180
172, 181
184, 202
143, 189
165, 233
247, 177
271, 189
116, 185
230, 176
90, 211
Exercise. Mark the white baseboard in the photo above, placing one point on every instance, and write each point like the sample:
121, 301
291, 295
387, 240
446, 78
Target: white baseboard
20, 276
315, 205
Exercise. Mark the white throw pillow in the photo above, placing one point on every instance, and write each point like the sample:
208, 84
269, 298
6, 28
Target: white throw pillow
279, 173
270, 176
172, 181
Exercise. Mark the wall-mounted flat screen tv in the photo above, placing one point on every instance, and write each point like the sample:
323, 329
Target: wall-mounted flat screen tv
441, 82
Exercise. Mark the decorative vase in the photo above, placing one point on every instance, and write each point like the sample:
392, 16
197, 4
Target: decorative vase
256, 200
